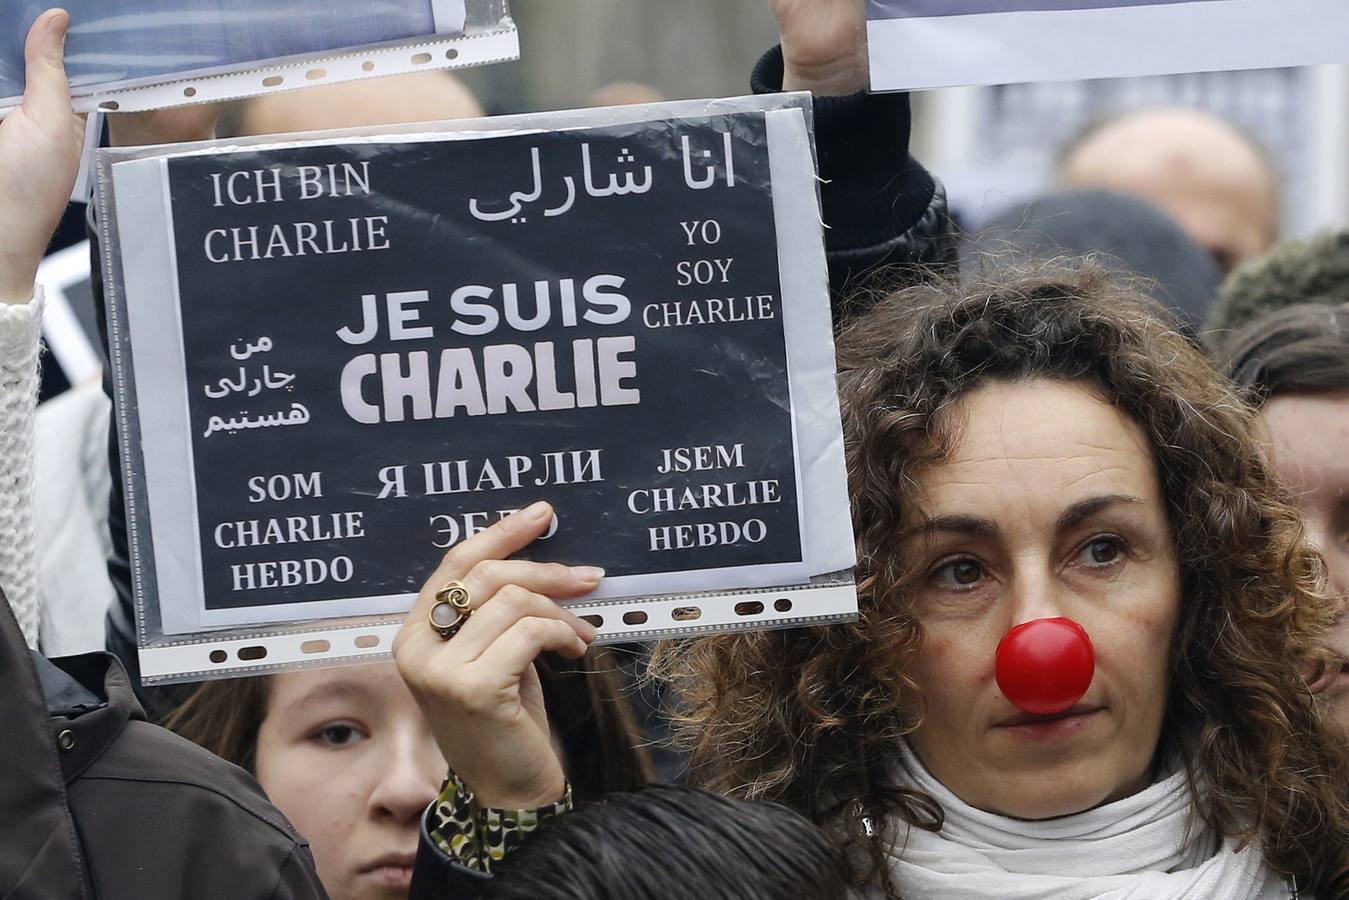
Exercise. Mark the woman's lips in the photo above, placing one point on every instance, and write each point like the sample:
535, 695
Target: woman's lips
1029, 725
391, 870
391, 876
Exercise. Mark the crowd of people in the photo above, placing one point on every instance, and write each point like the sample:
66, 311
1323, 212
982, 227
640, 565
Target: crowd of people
1125, 404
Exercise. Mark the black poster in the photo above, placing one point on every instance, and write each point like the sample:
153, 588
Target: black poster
390, 345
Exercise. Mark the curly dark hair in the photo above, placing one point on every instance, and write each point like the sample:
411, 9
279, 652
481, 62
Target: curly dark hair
813, 717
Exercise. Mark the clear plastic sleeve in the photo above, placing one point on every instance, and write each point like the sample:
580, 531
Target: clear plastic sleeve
337, 356
133, 55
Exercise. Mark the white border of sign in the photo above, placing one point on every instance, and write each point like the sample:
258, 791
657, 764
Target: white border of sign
1069, 45
661, 617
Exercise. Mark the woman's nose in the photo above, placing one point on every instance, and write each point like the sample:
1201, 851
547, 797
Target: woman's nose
407, 783
1044, 666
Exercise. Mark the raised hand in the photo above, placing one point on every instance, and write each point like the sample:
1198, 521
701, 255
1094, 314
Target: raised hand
479, 689
40, 146
824, 45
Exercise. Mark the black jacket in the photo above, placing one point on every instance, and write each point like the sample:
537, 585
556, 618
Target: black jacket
98, 803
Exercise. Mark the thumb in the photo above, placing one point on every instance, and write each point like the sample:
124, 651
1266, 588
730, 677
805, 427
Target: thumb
46, 93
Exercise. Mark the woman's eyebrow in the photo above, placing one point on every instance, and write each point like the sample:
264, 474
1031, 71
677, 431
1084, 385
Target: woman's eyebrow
339, 689
971, 526
1082, 510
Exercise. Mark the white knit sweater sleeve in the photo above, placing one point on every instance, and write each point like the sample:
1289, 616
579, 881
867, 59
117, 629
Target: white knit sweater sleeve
20, 331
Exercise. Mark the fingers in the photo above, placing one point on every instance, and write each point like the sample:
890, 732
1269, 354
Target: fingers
46, 93
512, 605
511, 534
526, 639
507, 536
488, 577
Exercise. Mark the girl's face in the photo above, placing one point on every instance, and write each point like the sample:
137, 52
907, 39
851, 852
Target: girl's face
346, 755
1049, 505
1310, 434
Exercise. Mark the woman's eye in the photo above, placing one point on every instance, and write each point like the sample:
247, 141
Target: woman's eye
338, 735
960, 573
1101, 551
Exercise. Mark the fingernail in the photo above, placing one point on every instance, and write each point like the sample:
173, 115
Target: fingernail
57, 24
588, 573
538, 511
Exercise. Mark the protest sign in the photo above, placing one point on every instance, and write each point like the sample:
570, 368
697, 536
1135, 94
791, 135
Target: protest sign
337, 358
918, 44
145, 54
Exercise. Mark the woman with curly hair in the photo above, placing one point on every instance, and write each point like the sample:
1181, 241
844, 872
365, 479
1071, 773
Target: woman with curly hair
1038, 449
1045, 444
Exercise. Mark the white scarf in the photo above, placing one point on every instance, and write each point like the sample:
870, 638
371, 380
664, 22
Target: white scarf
1132, 849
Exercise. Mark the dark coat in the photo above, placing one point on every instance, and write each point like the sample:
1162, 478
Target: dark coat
101, 805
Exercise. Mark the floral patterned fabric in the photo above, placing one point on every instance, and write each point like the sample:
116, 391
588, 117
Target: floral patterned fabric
478, 838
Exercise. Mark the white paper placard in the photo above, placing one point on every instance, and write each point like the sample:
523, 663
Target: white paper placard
918, 44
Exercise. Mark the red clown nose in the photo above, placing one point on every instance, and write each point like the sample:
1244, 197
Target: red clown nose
1045, 666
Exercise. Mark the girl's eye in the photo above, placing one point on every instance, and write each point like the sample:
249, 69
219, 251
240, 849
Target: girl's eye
959, 573
338, 735
1101, 551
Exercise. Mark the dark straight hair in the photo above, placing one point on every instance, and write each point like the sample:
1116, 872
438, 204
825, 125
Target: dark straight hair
1300, 349
667, 842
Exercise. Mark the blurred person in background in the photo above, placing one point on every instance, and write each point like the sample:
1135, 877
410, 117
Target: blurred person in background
1201, 170
1294, 364
391, 100
624, 93
1122, 232
1296, 271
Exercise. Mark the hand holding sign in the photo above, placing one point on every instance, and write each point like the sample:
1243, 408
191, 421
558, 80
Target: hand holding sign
479, 689
824, 45
40, 148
